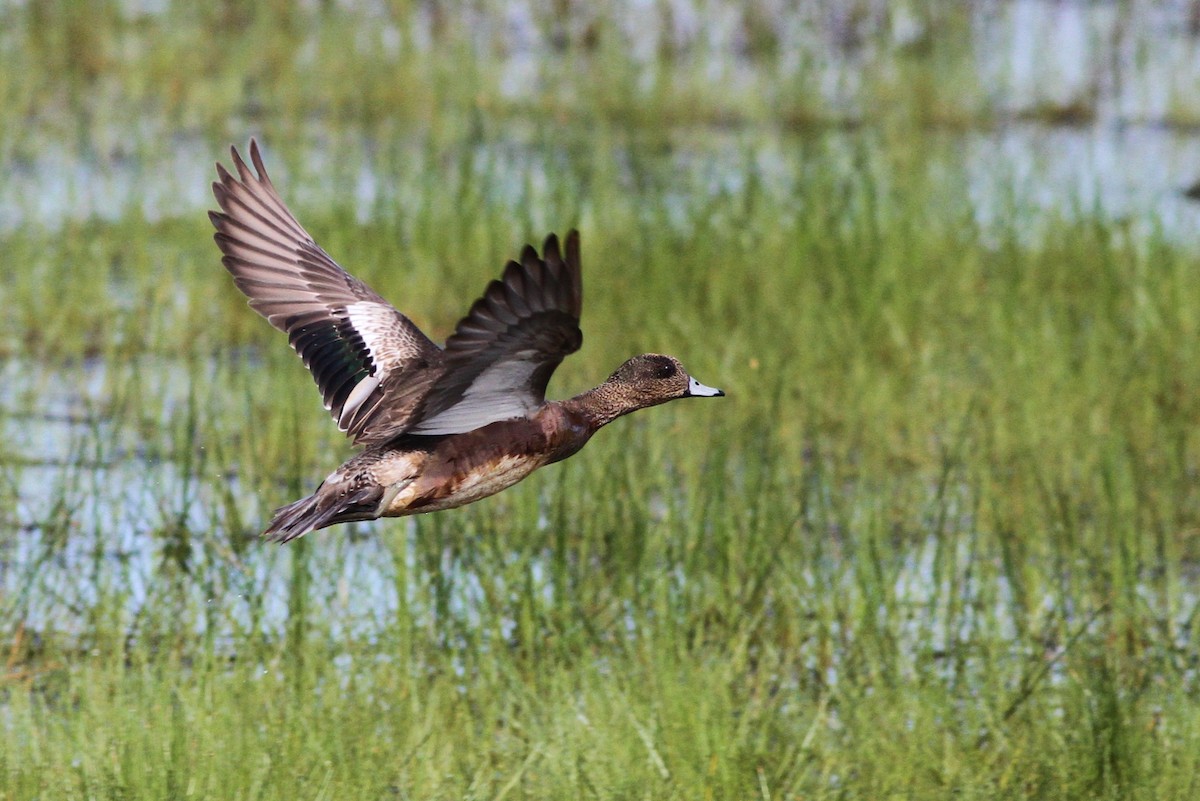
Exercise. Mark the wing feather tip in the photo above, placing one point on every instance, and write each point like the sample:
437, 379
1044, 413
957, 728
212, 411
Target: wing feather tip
256, 159
550, 250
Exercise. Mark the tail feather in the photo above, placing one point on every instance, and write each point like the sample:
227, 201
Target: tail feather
325, 507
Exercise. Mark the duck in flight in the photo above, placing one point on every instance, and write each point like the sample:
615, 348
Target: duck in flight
443, 427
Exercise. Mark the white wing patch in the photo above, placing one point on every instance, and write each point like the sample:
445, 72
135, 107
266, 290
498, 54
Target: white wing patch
357, 395
501, 392
376, 324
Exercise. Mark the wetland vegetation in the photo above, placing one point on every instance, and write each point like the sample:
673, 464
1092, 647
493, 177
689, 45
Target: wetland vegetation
941, 539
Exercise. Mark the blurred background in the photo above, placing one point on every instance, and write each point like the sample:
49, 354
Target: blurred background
939, 539
116, 107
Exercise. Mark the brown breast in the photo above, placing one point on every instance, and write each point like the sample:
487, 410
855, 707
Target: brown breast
463, 468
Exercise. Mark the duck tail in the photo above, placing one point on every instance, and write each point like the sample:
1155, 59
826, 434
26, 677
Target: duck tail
325, 507
297, 519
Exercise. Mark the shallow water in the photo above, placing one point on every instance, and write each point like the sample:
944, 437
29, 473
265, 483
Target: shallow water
98, 527
101, 503
1131, 68
1126, 174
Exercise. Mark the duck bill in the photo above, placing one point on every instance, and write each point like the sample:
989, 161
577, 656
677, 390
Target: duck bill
698, 390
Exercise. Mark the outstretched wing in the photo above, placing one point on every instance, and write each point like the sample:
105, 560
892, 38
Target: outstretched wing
502, 354
371, 363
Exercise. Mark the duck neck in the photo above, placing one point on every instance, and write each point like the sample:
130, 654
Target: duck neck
600, 406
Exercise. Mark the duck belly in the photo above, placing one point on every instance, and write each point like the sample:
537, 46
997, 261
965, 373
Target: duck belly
437, 490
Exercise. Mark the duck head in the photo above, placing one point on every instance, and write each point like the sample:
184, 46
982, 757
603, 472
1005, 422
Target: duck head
651, 379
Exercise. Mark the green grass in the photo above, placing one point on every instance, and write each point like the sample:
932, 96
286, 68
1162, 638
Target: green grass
938, 541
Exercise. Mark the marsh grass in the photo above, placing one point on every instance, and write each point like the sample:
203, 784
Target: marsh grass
938, 541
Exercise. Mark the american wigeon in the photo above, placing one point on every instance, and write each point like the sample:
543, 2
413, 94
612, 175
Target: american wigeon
442, 427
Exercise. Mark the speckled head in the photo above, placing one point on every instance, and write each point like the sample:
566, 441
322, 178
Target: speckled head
652, 378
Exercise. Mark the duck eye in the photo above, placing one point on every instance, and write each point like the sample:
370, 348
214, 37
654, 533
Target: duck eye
666, 370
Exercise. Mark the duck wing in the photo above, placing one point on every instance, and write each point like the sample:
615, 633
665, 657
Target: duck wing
371, 363
502, 354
